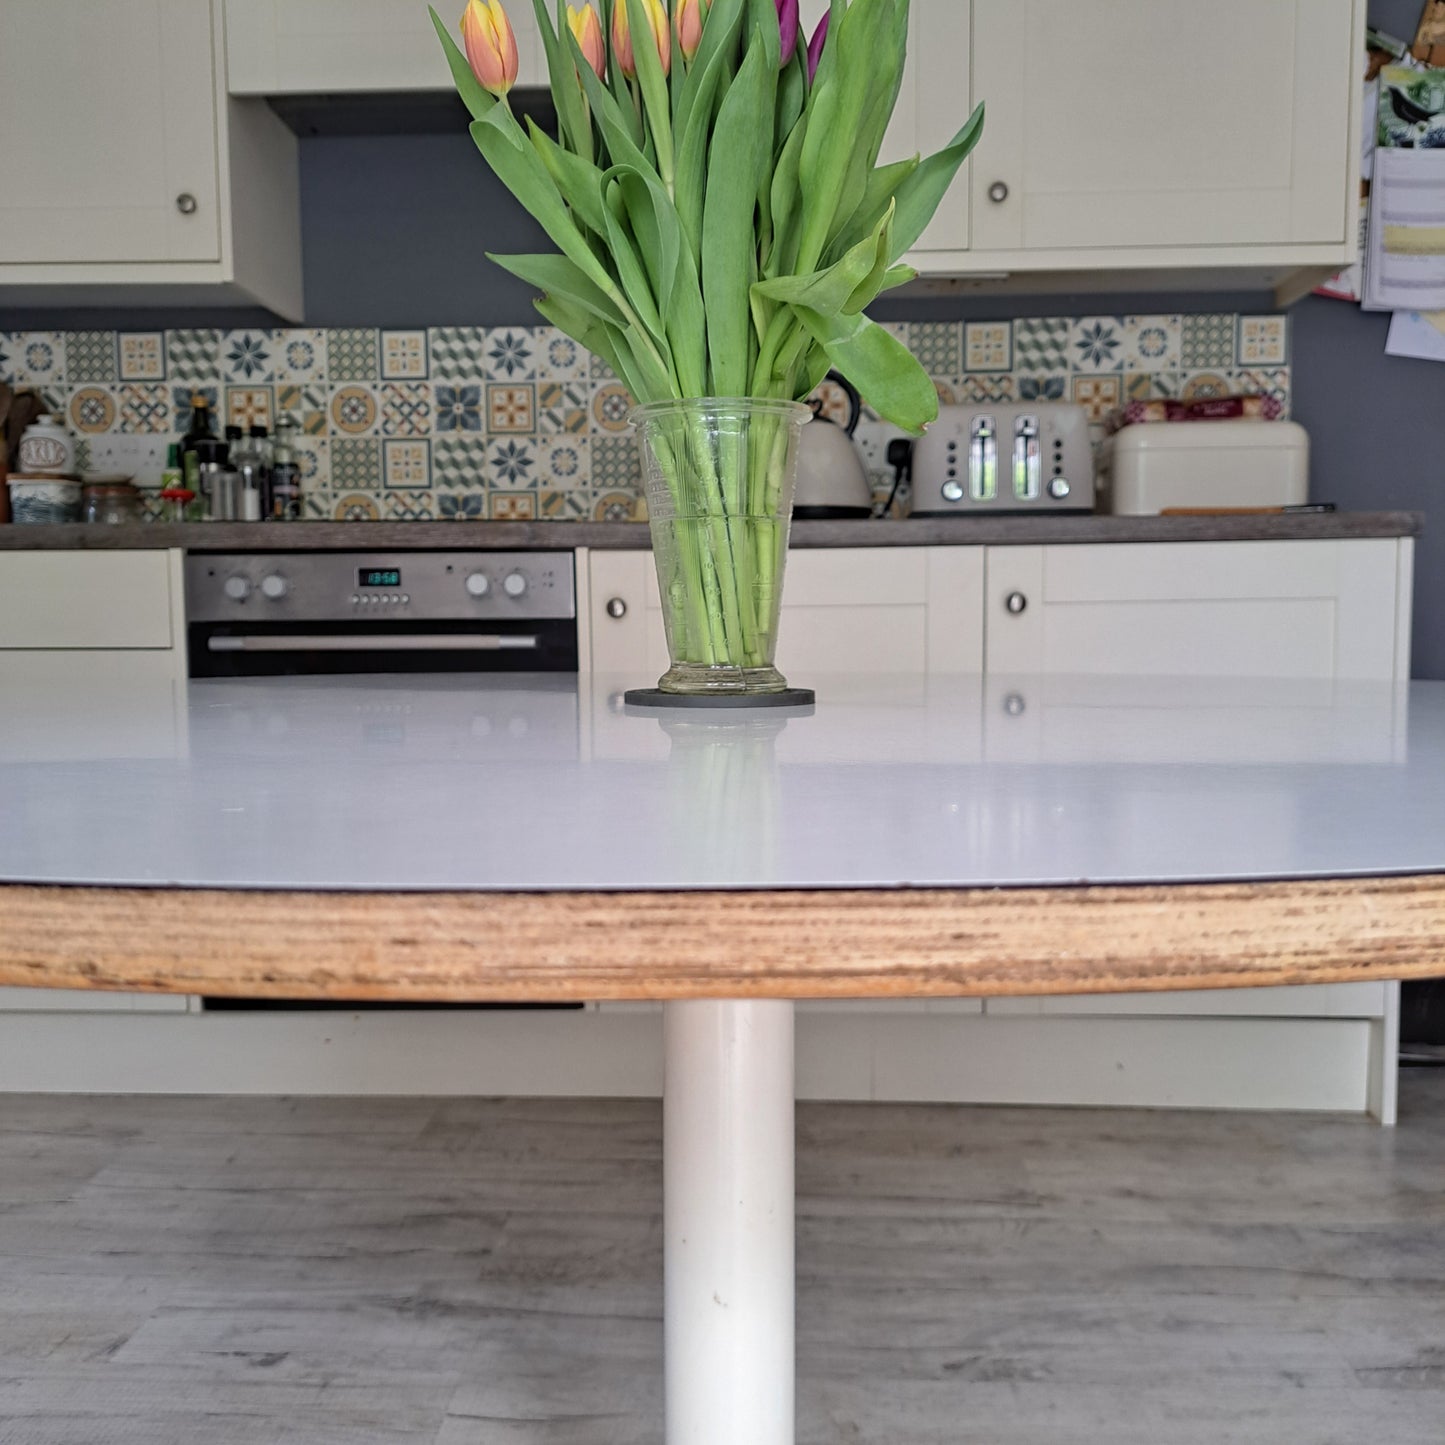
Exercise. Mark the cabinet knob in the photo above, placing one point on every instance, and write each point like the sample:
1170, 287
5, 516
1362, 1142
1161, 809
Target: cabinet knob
186, 203
998, 193
616, 608
1015, 602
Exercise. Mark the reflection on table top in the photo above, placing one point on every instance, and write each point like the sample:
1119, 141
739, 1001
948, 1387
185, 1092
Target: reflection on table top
485, 782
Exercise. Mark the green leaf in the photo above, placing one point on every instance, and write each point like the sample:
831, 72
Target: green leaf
782, 256
877, 196
693, 132
719, 44
474, 95
919, 193
632, 274
558, 276
886, 373
621, 135
653, 85
735, 167
578, 180
848, 285
572, 119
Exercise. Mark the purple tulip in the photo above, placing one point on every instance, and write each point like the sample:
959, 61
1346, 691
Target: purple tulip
815, 46
788, 26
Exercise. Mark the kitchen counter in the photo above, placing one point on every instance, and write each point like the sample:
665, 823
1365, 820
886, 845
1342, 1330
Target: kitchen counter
630, 536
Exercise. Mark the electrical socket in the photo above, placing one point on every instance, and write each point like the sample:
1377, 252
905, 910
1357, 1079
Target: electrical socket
141, 457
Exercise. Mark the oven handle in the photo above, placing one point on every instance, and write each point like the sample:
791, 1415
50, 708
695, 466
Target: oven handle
373, 642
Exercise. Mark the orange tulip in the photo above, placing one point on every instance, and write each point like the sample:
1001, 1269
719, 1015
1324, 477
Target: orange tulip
689, 26
588, 30
622, 38
490, 45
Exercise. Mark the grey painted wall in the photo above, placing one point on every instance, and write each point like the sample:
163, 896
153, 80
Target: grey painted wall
396, 226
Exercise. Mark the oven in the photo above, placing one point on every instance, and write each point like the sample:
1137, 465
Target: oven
271, 614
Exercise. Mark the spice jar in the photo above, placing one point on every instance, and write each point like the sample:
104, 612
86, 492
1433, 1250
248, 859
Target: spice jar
110, 502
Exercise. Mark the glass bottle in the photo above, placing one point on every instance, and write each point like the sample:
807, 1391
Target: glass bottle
201, 430
285, 474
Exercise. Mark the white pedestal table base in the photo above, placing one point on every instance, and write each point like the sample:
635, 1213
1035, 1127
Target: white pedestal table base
728, 1222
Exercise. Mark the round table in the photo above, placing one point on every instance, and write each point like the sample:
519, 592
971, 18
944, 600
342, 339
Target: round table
506, 840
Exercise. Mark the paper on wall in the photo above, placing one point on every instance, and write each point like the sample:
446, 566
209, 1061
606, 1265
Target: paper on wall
1417, 334
1404, 267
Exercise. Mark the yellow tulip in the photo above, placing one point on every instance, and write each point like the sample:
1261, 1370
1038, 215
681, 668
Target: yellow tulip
622, 38
490, 45
588, 30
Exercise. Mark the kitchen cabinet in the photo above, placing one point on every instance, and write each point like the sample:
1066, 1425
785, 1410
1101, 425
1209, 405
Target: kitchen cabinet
92, 600
128, 175
847, 609
313, 47
1216, 609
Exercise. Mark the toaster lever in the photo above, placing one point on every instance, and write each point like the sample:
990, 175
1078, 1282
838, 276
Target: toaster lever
1027, 461
982, 459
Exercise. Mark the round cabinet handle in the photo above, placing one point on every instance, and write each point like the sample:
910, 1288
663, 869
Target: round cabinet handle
998, 193
186, 203
1014, 704
1015, 602
616, 608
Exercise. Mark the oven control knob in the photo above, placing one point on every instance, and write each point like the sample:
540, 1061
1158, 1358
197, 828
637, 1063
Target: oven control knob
238, 589
514, 584
275, 587
478, 585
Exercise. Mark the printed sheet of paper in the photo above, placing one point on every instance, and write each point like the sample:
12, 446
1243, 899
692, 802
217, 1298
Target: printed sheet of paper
1417, 334
1405, 251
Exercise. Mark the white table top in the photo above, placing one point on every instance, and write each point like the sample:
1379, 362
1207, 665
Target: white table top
545, 783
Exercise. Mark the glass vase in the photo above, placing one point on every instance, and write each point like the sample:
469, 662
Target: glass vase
719, 474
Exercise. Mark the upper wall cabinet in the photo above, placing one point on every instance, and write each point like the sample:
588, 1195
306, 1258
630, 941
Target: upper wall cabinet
312, 47
1165, 134
127, 175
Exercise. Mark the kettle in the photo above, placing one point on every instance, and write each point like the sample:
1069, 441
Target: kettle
832, 480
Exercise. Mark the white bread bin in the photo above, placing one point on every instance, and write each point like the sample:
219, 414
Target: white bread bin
1148, 468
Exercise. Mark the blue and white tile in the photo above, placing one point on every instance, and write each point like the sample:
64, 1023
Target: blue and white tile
1096, 343
1043, 386
355, 464
987, 346
353, 354
408, 506
459, 461
1263, 341
356, 507
456, 354
406, 408
461, 506
1041, 344
181, 397
406, 463
1152, 343
306, 404
313, 460
509, 353
1272, 381
512, 463
355, 409
565, 506
248, 406
511, 407
618, 506
611, 406
145, 407
301, 356
1206, 384
458, 407
90, 356
1207, 341
7, 355
614, 464
937, 345
511, 506
559, 358
985, 387
248, 356
404, 356
38, 361
193, 357
566, 461
92, 409
141, 355
562, 406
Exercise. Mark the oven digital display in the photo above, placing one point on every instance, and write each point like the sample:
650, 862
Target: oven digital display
378, 577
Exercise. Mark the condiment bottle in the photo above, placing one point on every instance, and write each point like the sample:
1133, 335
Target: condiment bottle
199, 431
285, 474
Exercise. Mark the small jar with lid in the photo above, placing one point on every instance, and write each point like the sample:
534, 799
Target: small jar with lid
110, 502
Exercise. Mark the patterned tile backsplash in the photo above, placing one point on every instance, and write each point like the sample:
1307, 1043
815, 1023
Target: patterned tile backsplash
520, 423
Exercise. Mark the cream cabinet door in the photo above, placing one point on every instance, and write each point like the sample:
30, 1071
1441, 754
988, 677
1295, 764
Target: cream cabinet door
281, 47
1317, 609
1137, 123
846, 609
931, 108
107, 110
90, 600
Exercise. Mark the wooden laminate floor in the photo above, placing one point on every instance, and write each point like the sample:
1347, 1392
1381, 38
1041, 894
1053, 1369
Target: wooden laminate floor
182, 1271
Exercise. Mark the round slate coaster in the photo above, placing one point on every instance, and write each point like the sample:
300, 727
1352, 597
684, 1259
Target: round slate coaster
655, 697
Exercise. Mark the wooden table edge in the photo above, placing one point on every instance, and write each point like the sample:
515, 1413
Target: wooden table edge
801, 944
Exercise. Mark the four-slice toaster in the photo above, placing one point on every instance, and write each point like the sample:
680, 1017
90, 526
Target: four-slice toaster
1004, 457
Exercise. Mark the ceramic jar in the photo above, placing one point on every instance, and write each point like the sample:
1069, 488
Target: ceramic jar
46, 448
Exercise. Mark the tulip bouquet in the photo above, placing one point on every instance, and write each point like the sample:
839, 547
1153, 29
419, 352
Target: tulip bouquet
721, 222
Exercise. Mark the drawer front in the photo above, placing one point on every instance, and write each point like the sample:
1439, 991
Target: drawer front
85, 599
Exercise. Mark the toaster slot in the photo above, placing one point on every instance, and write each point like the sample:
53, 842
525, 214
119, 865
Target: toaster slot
982, 459
1028, 462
